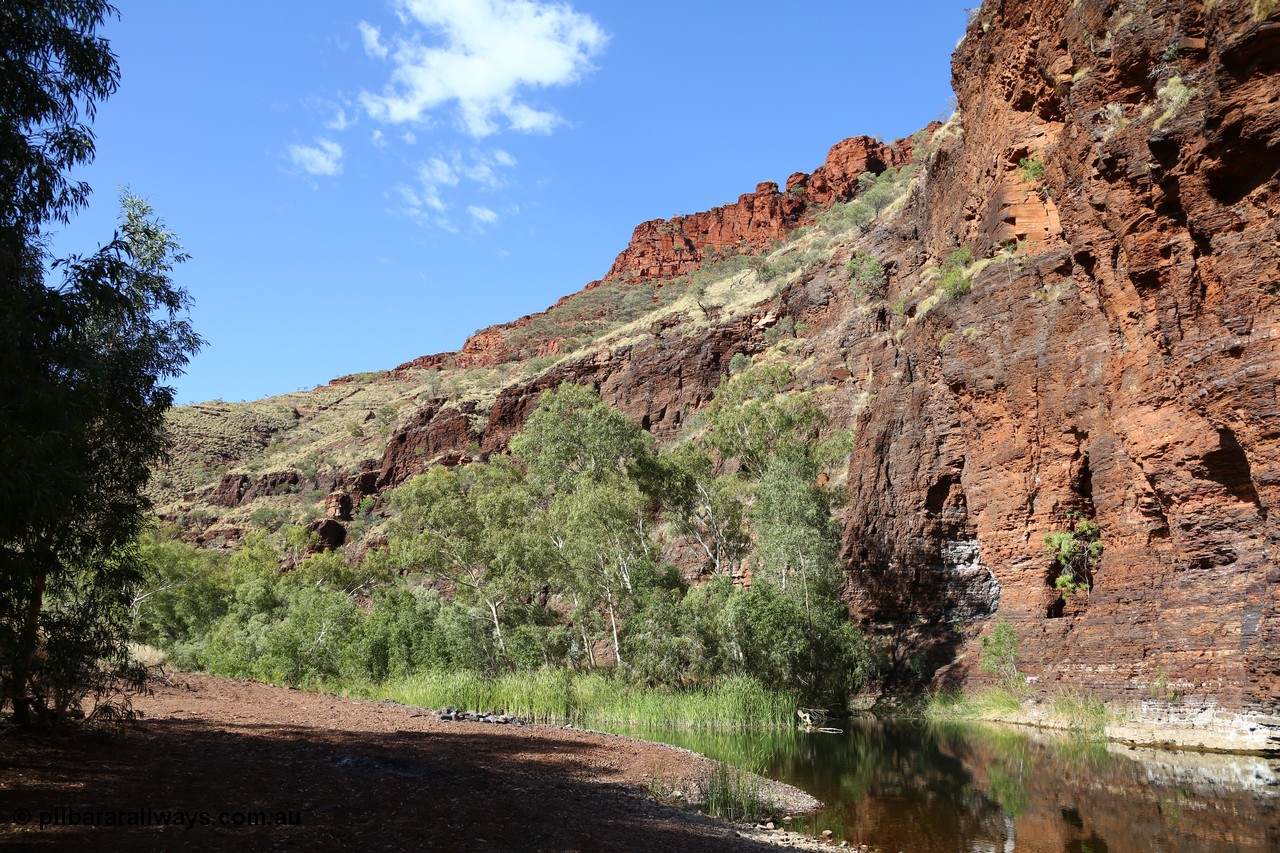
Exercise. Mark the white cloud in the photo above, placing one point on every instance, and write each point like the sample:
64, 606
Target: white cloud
372, 40
378, 139
417, 200
408, 137
486, 56
423, 205
482, 215
453, 171
340, 121
436, 171
323, 158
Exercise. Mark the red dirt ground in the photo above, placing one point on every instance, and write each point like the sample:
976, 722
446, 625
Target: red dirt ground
328, 773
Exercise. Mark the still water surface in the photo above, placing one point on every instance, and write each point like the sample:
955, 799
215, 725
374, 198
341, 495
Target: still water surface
950, 788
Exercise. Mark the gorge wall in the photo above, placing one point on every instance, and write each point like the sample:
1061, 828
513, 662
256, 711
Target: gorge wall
1126, 368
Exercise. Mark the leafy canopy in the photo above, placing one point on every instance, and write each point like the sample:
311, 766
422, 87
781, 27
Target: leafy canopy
82, 394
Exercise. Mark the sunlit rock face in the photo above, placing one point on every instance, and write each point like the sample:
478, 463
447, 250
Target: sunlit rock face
1123, 366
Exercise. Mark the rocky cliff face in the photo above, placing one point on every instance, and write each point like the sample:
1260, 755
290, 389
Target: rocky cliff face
1124, 367
1115, 167
665, 248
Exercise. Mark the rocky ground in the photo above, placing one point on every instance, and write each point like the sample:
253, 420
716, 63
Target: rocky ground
321, 772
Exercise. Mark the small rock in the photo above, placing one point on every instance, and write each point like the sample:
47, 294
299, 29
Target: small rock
826, 833
769, 825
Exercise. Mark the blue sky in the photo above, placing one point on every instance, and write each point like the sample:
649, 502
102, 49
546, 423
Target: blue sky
362, 183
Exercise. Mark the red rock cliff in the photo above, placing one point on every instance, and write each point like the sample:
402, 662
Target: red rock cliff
665, 248
1125, 367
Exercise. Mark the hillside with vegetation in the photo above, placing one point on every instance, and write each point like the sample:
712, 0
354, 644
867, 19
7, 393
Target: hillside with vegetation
1010, 378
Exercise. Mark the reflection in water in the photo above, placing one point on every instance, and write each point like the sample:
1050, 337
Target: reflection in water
920, 788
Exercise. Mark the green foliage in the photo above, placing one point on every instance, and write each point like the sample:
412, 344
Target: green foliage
533, 568
784, 328
953, 274
1030, 169
809, 646
479, 530
1000, 655
1076, 553
794, 530
185, 592
56, 67
988, 703
270, 518
710, 509
866, 274
573, 435
846, 216
607, 557
557, 695
1081, 713
83, 415
752, 417
1161, 688
740, 362
880, 191
734, 794
281, 631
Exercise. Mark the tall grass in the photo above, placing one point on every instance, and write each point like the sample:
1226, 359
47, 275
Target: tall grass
978, 705
552, 695
734, 794
1082, 714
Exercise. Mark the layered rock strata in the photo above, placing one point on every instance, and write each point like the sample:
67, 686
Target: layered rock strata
1124, 367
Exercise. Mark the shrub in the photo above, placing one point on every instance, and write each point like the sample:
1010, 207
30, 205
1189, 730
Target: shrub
1076, 552
1174, 96
880, 191
1030, 169
270, 518
1114, 120
954, 275
1000, 654
784, 328
847, 216
740, 362
866, 274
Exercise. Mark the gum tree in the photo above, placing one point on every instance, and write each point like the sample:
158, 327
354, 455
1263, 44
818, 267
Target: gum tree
86, 343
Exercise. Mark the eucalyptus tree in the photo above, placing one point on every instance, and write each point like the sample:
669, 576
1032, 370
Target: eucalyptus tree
86, 343
479, 530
